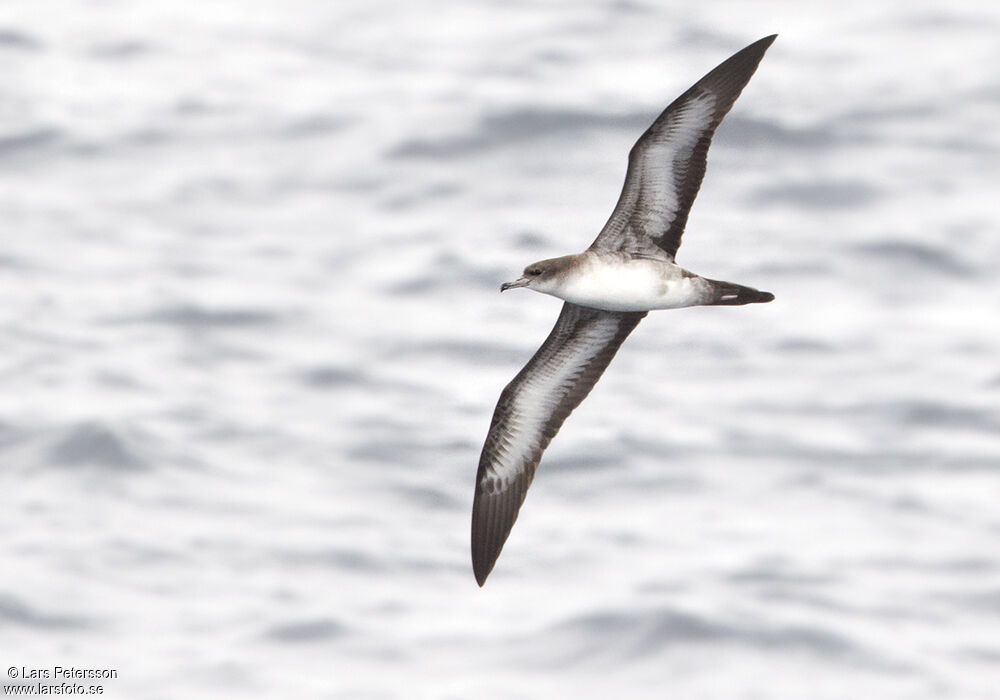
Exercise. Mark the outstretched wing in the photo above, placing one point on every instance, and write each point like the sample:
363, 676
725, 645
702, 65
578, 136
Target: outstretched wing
666, 165
530, 412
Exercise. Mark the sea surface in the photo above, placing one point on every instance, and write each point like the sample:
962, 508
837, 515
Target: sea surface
251, 340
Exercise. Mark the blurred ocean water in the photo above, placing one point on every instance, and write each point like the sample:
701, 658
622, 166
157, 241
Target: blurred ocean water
250, 342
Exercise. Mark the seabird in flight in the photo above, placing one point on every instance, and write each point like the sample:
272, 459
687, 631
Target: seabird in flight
608, 288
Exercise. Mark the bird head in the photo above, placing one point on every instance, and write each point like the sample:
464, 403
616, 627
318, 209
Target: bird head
540, 276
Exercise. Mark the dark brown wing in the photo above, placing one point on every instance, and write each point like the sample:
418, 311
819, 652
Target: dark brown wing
530, 412
667, 163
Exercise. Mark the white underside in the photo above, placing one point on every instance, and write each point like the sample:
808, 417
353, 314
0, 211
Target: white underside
636, 285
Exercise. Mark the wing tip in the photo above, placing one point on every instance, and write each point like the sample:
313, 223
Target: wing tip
763, 43
487, 541
483, 561
758, 48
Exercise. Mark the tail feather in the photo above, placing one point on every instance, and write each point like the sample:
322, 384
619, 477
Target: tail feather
729, 294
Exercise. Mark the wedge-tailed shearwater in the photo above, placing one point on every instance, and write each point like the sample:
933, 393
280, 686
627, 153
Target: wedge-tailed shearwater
627, 271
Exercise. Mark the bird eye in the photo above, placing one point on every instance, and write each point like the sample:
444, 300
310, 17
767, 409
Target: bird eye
534, 271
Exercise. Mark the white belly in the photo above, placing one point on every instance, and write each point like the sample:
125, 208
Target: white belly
636, 285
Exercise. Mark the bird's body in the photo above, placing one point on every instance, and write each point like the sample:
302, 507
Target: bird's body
626, 272
622, 282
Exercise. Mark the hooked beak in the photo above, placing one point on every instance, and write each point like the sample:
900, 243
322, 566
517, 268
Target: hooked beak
519, 282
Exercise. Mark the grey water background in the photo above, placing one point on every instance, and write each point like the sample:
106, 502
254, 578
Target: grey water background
250, 343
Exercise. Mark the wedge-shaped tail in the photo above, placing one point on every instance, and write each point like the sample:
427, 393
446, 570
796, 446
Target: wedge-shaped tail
731, 294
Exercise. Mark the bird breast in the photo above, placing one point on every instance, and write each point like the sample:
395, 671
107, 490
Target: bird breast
631, 284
